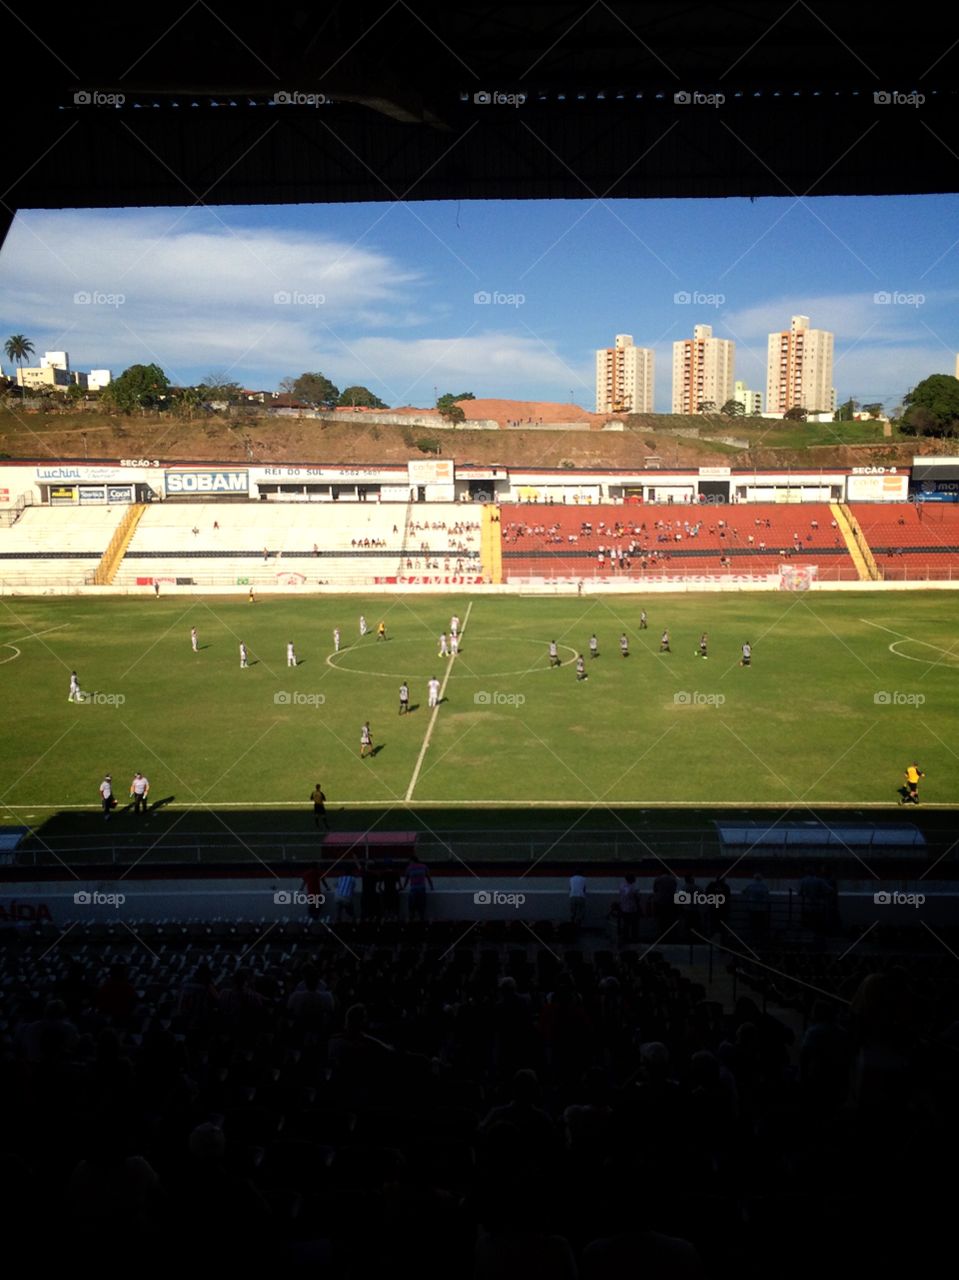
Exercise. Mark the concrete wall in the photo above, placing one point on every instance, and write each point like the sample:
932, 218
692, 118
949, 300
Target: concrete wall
462, 898
520, 586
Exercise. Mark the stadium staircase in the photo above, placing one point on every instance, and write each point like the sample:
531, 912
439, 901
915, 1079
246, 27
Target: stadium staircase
112, 558
491, 544
10, 517
404, 542
856, 544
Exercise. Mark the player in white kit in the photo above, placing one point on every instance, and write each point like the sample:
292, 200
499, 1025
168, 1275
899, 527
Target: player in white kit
434, 693
363, 627
290, 655
243, 661
194, 640
336, 639
454, 644
444, 647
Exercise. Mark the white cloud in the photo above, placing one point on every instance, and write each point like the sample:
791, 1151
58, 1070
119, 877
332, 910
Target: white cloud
195, 295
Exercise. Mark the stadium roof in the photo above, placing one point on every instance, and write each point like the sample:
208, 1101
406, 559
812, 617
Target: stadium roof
176, 105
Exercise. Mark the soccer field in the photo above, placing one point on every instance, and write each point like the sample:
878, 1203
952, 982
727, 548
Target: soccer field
843, 691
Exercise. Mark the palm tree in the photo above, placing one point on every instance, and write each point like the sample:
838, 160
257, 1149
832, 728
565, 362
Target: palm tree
18, 348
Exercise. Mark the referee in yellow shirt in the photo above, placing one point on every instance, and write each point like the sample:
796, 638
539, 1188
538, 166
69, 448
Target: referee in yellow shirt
913, 774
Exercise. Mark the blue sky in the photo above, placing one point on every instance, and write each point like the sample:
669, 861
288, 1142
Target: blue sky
384, 294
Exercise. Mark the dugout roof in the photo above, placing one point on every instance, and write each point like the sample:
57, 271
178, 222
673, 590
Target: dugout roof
799, 114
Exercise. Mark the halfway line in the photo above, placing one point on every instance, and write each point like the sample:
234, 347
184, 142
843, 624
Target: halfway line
436, 709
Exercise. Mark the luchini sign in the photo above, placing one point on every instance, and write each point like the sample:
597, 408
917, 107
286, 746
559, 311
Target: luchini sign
211, 482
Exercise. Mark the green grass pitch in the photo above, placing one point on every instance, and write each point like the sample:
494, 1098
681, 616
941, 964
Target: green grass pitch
843, 691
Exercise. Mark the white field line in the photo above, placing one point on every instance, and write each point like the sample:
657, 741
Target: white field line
512, 804
436, 710
33, 635
950, 653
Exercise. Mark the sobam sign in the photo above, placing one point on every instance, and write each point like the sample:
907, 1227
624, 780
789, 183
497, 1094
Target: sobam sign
206, 482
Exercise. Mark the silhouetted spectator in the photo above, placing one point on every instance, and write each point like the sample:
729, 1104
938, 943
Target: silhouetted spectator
664, 900
756, 895
116, 997
51, 1038
310, 1007
825, 1057
629, 904
525, 1113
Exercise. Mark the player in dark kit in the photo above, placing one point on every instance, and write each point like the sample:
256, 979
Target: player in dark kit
703, 643
664, 643
319, 807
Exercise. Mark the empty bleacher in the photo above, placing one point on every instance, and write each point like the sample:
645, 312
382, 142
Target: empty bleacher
270, 544
671, 541
911, 541
56, 546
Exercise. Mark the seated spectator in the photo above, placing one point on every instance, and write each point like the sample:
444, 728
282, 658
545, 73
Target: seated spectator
357, 1057
116, 997
825, 1057
519, 1255
51, 1038
310, 1007
242, 1008
198, 999
113, 1189
525, 1113
756, 894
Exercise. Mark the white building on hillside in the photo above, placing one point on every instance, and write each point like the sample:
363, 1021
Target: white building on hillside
799, 369
752, 401
702, 370
624, 377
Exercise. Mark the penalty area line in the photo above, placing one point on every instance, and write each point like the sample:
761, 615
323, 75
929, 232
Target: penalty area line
436, 710
949, 653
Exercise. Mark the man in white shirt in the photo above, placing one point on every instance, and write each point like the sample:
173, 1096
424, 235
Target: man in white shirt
243, 661
74, 688
577, 898
106, 796
434, 692
290, 655
139, 790
454, 644
404, 698
336, 639
444, 647
363, 627
194, 640
454, 625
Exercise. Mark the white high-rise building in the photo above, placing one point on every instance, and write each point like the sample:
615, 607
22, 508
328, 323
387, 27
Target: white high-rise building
799, 369
624, 377
702, 370
752, 401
